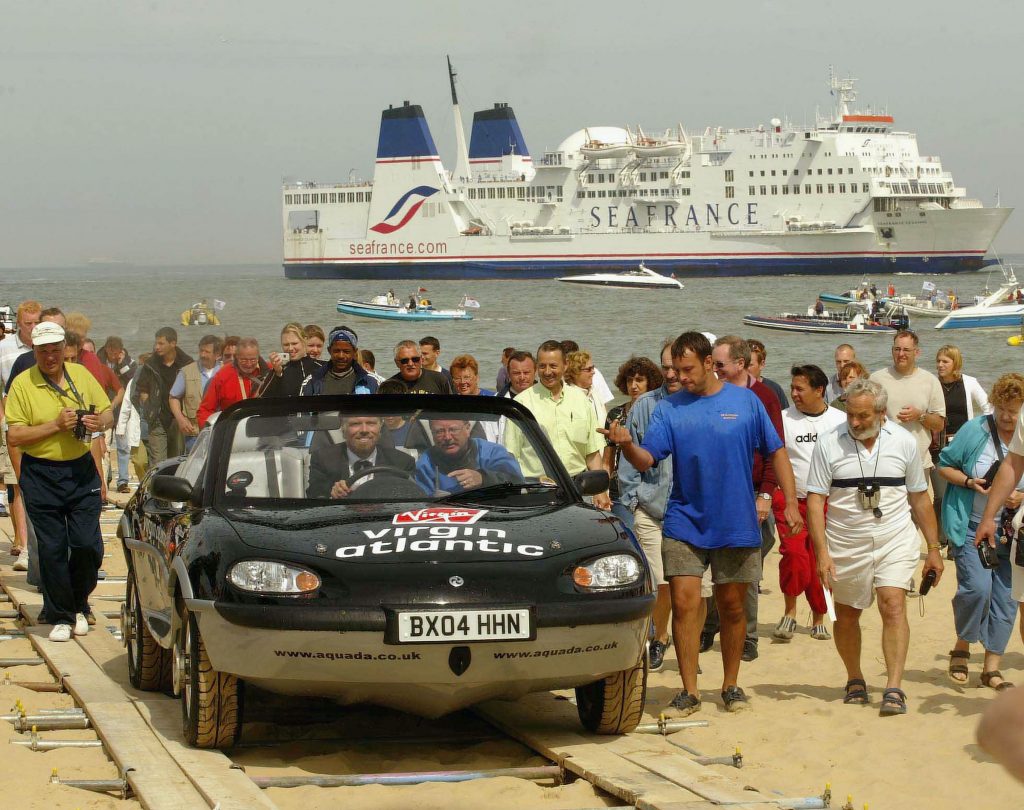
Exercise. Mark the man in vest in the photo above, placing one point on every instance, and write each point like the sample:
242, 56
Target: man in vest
190, 385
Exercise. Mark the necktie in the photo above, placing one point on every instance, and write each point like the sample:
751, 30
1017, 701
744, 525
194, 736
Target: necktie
360, 466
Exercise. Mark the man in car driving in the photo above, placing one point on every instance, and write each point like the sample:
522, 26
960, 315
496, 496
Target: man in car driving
335, 470
458, 462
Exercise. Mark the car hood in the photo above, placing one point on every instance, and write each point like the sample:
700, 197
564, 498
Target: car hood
429, 533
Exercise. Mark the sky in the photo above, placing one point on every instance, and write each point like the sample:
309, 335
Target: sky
159, 133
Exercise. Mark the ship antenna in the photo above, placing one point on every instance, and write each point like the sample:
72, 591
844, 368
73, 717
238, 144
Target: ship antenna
462, 171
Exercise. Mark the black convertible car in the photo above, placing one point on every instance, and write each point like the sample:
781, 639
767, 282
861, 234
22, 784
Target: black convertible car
383, 550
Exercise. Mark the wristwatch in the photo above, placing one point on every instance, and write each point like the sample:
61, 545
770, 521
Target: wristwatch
764, 495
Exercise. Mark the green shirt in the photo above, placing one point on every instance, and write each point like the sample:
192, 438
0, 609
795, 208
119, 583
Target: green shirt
33, 401
570, 425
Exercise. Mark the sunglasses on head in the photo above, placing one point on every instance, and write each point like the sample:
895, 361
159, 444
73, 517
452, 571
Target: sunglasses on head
405, 361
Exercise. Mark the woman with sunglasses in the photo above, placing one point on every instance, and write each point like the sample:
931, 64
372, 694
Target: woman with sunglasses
579, 371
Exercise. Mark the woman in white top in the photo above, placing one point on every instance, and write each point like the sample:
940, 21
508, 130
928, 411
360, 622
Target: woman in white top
965, 399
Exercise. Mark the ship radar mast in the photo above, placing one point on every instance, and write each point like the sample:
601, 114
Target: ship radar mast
462, 174
845, 90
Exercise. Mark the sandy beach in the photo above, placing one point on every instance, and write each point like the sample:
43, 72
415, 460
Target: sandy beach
797, 738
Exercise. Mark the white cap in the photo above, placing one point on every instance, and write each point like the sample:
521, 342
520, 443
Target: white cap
47, 332
711, 337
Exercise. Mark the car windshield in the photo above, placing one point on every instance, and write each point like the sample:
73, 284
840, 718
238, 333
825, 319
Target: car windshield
368, 452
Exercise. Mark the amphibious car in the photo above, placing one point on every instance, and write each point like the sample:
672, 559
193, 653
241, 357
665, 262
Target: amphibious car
381, 550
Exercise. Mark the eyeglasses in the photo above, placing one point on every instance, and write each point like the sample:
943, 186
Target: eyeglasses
405, 361
587, 368
719, 364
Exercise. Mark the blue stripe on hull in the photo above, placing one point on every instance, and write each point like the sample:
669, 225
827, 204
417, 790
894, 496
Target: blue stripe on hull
472, 269
981, 322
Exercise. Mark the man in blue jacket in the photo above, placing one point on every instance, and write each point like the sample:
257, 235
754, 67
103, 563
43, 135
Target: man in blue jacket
457, 462
646, 496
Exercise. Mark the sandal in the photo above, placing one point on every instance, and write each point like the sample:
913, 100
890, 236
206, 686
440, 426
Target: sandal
986, 680
894, 701
785, 628
955, 669
856, 696
820, 632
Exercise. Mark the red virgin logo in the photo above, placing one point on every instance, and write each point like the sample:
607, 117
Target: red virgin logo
438, 515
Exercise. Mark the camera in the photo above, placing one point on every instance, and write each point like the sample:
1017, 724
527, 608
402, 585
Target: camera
990, 476
869, 495
80, 431
988, 555
928, 581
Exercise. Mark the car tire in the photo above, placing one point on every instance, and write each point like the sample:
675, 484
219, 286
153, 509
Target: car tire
211, 701
149, 664
615, 704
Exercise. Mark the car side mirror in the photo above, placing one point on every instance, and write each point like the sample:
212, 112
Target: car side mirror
170, 488
591, 482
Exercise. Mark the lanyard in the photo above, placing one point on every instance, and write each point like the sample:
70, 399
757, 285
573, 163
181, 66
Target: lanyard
878, 448
72, 390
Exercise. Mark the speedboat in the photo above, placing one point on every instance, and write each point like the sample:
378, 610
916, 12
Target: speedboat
999, 310
641, 277
423, 311
854, 320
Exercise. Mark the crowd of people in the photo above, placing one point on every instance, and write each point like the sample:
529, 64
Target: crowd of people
709, 464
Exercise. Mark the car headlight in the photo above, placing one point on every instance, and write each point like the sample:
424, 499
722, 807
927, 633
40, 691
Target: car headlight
264, 576
610, 571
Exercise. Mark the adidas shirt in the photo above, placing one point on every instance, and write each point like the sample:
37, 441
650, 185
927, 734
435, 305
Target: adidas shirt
801, 434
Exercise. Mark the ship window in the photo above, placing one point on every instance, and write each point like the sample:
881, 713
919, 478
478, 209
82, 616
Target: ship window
752, 191
831, 188
558, 191
490, 194
351, 197
728, 175
643, 177
842, 188
590, 178
807, 188
305, 198
819, 171
591, 194
687, 174
664, 175
287, 199
520, 193
684, 192
785, 172
796, 189
775, 189
751, 174
785, 189
853, 188
818, 188
334, 198
764, 190
773, 172
762, 172
830, 171
359, 196
501, 193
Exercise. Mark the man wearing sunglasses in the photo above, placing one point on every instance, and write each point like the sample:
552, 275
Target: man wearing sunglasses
412, 374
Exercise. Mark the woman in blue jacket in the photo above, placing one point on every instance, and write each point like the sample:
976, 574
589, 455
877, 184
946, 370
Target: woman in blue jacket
983, 607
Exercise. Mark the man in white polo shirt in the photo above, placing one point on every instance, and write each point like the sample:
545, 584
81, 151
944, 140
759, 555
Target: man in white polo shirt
870, 471
803, 422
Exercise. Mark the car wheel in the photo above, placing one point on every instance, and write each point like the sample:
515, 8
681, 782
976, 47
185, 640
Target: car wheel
211, 701
614, 705
149, 664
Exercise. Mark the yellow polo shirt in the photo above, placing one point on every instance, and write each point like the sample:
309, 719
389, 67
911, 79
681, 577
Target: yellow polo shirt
33, 401
570, 425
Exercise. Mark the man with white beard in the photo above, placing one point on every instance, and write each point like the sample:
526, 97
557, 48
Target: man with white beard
870, 471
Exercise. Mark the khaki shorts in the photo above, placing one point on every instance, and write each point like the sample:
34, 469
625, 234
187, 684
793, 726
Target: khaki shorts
862, 565
6, 468
683, 559
648, 532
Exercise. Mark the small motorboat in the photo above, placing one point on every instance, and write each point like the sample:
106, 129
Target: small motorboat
9, 319
201, 314
390, 310
641, 278
854, 320
1003, 309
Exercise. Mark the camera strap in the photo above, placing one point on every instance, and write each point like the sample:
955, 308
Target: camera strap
72, 390
995, 436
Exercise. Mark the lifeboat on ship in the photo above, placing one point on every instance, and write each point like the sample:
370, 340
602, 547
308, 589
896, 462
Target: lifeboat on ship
666, 146
595, 149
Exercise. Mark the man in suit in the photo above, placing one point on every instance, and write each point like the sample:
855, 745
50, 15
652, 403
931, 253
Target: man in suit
333, 466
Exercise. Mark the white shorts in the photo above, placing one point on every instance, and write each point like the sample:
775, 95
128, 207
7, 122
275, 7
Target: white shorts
886, 560
648, 532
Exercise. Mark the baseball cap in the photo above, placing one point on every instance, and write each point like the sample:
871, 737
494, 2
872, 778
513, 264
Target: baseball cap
47, 332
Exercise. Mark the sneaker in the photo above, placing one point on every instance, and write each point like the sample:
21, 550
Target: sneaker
707, 640
21, 564
60, 632
749, 649
784, 629
820, 632
656, 653
3, 511
123, 488
81, 624
683, 705
735, 699
90, 617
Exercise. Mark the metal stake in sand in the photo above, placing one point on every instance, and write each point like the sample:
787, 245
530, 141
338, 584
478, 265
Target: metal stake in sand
51, 722
117, 786
36, 744
21, 662
664, 726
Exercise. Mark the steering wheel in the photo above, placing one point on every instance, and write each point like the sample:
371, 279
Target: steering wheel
380, 469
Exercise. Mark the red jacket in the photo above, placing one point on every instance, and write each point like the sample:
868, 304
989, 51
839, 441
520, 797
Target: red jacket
764, 472
223, 391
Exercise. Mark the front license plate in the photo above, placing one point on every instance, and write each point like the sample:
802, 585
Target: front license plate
426, 626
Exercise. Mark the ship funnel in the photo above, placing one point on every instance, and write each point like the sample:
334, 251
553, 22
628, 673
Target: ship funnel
404, 134
496, 134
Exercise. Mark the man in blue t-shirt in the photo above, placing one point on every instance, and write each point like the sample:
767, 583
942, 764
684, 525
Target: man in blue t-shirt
711, 430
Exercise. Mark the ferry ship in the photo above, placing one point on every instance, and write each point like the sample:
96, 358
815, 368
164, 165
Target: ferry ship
850, 194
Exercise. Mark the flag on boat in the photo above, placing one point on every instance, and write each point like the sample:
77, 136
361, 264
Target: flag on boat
928, 286
422, 289
218, 304
470, 303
